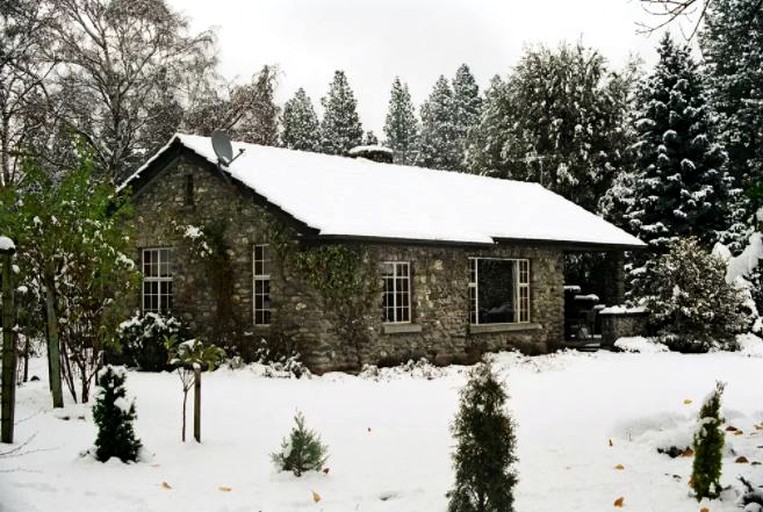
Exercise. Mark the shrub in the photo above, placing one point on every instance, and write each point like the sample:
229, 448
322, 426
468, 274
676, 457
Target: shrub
301, 451
113, 415
485, 452
692, 308
708, 447
142, 340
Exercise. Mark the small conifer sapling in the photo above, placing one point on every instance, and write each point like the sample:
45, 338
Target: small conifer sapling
708, 447
301, 451
485, 451
114, 415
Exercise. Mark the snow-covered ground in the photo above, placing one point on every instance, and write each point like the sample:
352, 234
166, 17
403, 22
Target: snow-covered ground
579, 416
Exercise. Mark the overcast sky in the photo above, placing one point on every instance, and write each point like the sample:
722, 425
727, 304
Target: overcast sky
375, 40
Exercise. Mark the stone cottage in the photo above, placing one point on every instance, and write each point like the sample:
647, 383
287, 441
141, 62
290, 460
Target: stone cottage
350, 261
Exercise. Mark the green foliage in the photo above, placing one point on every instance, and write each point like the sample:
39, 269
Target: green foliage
114, 415
73, 241
340, 128
301, 451
400, 125
691, 306
301, 129
188, 354
708, 447
485, 452
438, 130
142, 340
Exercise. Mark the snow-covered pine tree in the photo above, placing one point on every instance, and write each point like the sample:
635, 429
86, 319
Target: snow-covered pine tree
485, 453
467, 108
340, 128
681, 186
370, 139
301, 129
401, 127
708, 447
114, 414
485, 154
732, 47
301, 451
559, 120
438, 148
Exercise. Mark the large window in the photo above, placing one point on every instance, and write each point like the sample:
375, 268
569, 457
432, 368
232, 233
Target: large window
157, 280
261, 261
397, 291
499, 290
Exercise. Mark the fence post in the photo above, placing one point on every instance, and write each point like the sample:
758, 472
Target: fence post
8, 384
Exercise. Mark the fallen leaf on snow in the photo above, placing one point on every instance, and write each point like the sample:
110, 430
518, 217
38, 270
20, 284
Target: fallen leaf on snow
611, 443
731, 428
704, 509
619, 501
325, 471
165, 485
738, 433
742, 460
620, 467
225, 488
316, 497
154, 465
688, 452
687, 401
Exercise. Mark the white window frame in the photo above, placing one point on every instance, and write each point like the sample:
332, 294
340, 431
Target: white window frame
390, 272
521, 289
164, 300
261, 315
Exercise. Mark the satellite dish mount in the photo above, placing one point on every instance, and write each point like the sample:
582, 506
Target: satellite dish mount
223, 149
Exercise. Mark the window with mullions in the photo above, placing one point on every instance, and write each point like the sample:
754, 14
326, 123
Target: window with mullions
157, 280
499, 291
261, 262
397, 291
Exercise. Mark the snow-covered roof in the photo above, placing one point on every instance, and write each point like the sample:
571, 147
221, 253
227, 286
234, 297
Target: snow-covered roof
346, 197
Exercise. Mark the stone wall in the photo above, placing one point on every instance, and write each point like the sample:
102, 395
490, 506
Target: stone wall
440, 328
622, 324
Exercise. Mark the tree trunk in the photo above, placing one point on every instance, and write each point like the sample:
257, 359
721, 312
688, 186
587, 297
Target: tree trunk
9, 353
54, 358
197, 404
185, 400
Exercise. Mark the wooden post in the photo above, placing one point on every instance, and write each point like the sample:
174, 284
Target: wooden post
197, 402
8, 385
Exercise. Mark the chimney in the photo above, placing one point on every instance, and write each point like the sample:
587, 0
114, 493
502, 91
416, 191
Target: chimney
376, 153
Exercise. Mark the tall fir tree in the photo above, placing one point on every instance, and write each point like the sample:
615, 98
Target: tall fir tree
114, 415
401, 129
340, 128
467, 108
438, 147
681, 186
301, 129
732, 47
558, 120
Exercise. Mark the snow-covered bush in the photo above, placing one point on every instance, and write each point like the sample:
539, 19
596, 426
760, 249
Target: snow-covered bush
301, 451
114, 415
692, 308
752, 498
280, 358
708, 447
485, 435
142, 340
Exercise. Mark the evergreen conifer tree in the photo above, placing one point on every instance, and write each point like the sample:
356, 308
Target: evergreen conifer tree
340, 128
301, 129
113, 415
301, 451
559, 120
708, 447
467, 108
370, 139
401, 127
732, 47
438, 148
681, 187
485, 452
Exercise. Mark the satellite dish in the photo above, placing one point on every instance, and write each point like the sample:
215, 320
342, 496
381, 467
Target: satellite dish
222, 146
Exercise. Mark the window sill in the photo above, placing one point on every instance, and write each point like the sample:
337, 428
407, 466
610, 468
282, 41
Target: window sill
486, 328
261, 328
401, 328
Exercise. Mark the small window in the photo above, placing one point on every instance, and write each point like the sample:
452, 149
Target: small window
261, 263
188, 190
157, 280
499, 291
397, 291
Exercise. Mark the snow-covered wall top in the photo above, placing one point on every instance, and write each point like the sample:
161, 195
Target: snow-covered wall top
6, 244
349, 197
